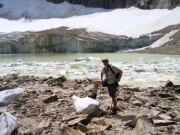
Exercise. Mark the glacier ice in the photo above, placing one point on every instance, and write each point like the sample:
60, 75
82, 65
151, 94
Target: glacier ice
7, 96
8, 123
85, 105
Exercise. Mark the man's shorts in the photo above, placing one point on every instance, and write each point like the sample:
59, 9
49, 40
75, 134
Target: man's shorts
112, 88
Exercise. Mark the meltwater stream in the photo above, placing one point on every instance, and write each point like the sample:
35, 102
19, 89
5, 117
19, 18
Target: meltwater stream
140, 70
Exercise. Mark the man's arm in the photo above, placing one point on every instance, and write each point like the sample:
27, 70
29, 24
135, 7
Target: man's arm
120, 72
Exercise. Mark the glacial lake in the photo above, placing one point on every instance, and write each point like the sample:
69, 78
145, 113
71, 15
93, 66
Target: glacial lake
140, 70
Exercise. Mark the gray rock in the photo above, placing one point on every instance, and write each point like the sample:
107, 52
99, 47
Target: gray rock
69, 118
166, 95
89, 88
50, 99
162, 122
164, 116
137, 103
69, 84
165, 107
61, 79
76, 121
82, 128
69, 131
177, 89
45, 123
143, 128
150, 103
168, 83
150, 113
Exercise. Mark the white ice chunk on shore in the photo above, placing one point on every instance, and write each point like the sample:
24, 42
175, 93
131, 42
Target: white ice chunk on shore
85, 105
8, 123
7, 96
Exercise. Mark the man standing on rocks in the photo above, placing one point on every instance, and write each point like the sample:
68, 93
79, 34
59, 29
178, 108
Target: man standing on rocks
113, 76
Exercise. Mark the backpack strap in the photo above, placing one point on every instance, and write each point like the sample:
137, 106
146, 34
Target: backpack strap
114, 75
112, 71
110, 67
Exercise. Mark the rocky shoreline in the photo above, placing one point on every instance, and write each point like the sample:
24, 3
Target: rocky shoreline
46, 107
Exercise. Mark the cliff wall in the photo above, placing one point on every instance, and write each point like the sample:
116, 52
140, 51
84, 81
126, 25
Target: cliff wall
111, 4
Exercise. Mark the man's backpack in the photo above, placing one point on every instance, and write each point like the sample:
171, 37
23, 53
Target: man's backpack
116, 75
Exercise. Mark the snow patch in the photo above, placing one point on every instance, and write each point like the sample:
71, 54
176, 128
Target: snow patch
131, 22
158, 43
163, 40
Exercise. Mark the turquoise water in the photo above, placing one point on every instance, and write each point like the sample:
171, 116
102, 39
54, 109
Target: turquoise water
142, 70
114, 57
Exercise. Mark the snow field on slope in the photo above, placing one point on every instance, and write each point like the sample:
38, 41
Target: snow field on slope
131, 22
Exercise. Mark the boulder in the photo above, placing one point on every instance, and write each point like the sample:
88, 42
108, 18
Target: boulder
168, 83
61, 79
98, 121
143, 128
82, 128
97, 125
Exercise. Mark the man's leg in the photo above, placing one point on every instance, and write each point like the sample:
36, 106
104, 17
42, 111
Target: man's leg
114, 108
97, 83
112, 93
114, 101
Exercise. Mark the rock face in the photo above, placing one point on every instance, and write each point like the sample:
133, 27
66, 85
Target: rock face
61, 40
111, 4
1, 5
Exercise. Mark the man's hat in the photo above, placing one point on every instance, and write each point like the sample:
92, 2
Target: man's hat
104, 59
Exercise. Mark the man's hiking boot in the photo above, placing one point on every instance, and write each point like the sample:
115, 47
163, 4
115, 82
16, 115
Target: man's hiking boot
93, 96
114, 111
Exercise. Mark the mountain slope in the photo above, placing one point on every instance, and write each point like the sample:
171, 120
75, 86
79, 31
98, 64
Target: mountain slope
110, 4
41, 9
130, 22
